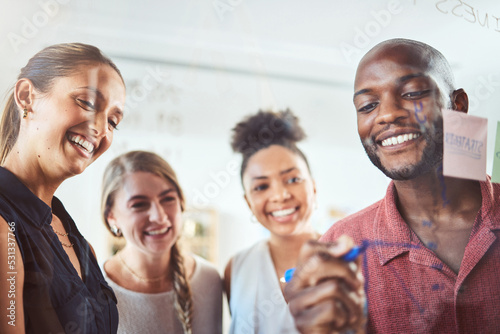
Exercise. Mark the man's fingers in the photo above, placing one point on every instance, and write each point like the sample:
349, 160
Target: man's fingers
336, 249
326, 316
310, 296
326, 293
322, 266
331, 292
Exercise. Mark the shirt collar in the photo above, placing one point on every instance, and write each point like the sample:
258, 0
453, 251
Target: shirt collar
27, 204
394, 236
490, 207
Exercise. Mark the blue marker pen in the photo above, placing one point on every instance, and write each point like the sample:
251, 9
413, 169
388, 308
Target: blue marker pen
350, 256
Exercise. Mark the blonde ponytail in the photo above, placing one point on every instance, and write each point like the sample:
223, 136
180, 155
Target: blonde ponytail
9, 127
183, 302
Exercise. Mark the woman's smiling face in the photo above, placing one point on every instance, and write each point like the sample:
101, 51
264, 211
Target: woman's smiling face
147, 209
279, 190
69, 127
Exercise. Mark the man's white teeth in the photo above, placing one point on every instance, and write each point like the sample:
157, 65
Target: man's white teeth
400, 139
88, 146
156, 232
282, 213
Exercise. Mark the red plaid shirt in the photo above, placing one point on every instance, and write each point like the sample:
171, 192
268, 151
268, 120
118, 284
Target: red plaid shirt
409, 289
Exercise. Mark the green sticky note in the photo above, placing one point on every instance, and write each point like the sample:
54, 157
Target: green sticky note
495, 176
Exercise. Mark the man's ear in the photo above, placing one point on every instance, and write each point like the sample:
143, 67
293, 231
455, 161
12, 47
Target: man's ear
24, 92
460, 100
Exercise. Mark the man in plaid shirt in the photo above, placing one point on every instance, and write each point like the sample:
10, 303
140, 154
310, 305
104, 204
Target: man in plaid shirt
432, 260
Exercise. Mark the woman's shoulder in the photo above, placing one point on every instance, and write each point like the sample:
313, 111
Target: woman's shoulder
206, 276
204, 267
255, 251
110, 272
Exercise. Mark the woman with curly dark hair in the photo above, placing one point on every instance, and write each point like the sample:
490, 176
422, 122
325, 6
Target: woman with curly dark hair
281, 194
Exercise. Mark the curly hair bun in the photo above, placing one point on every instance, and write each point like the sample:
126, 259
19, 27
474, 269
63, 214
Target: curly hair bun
264, 129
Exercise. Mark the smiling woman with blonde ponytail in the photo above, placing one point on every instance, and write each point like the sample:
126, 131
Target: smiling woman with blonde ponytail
159, 290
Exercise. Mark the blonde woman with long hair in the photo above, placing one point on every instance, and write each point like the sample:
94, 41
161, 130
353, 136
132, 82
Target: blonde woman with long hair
159, 290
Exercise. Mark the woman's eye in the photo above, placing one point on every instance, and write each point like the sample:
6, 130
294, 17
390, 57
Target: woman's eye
86, 104
368, 107
139, 205
417, 94
112, 125
294, 180
260, 187
168, 199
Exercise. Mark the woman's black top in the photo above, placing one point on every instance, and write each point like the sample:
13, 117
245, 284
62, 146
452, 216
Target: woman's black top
55, 298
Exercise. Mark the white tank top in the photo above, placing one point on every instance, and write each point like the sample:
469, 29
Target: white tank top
257, 303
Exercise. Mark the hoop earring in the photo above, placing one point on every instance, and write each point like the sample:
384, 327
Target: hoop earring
116, 231
25, 113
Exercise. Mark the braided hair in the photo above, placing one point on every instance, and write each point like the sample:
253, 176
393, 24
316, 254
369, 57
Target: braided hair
183, 302
114, 177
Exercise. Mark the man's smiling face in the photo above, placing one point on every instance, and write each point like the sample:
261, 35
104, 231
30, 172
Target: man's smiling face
398, 105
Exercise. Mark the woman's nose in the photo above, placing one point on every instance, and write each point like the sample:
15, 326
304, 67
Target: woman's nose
280, 193
158, 214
